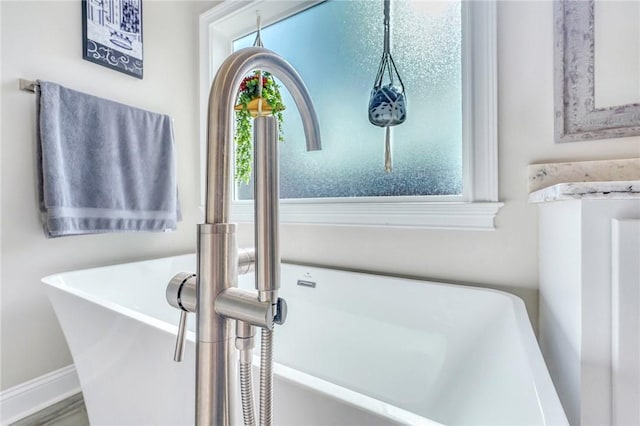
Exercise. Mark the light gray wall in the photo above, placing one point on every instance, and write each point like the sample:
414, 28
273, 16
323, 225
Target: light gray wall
44, 40
35, 46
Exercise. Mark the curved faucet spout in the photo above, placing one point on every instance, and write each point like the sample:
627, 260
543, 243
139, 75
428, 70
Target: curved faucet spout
220, 134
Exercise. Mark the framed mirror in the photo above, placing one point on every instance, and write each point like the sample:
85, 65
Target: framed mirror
597, 70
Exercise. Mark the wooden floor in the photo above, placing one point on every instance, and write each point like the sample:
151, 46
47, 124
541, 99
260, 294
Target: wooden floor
70, 412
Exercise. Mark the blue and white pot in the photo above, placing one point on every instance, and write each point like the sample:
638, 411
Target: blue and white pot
387, 106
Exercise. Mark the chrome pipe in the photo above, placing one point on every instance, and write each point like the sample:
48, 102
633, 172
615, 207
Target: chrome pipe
220, 126
181, 290
246, 260
267, 262
217, 247
243, 305
215, 359
244, 344
244, 341
266, 212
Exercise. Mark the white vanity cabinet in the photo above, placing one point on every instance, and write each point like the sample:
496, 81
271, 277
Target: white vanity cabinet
589, 315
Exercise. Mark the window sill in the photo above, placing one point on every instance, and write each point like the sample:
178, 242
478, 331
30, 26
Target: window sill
431, 215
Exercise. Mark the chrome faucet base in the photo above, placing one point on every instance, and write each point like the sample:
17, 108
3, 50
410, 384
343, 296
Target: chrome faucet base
216, 362
217, 270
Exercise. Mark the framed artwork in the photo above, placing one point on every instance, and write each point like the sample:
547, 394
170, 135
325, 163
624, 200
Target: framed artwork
112, 34
577, 116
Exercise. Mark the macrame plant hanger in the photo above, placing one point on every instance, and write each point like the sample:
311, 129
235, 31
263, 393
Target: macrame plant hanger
387, 104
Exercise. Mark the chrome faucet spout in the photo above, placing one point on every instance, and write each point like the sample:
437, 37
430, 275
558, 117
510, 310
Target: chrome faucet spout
220, 126
219, 304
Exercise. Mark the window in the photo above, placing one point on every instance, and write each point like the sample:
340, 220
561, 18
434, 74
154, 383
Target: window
444, 154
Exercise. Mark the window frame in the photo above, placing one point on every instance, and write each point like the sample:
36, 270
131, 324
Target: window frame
475, 209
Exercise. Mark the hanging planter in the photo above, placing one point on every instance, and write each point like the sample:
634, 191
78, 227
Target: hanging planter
254, 101
388, 101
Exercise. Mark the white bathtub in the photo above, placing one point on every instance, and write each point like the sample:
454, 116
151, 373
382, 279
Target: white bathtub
357, 349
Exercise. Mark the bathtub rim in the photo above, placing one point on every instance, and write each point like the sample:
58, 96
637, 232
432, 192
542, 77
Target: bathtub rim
550, 408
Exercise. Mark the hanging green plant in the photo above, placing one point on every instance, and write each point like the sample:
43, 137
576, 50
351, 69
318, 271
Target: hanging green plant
248, 107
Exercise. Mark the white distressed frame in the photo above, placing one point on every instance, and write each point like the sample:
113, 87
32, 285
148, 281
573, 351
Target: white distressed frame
576, 115
475, 209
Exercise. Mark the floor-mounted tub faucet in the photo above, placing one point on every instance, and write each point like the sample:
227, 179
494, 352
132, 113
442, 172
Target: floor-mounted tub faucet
213, 292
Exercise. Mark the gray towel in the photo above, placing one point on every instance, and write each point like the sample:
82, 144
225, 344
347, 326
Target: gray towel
104, 166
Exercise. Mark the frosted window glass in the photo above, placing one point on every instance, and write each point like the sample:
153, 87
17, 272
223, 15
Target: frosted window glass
336, 47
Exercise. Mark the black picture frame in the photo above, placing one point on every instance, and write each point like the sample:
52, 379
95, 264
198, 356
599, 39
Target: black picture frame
112, 35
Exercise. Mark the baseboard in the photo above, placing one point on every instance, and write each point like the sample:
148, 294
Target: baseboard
29, 397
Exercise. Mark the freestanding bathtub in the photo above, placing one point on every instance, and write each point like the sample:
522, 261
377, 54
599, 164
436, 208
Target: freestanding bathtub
357, 349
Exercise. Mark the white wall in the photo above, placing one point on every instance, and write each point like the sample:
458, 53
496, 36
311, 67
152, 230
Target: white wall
44, 40
32, 343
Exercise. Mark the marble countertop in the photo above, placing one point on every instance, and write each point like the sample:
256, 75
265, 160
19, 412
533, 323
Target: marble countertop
608, 190
550, 174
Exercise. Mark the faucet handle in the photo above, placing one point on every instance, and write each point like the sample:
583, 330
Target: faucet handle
181, 294
178, 353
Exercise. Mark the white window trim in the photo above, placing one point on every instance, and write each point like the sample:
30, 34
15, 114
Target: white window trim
475, 209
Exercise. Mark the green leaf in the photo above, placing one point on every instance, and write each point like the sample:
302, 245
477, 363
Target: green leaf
243, 136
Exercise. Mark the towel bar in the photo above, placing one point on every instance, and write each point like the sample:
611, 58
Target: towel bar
28, 85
